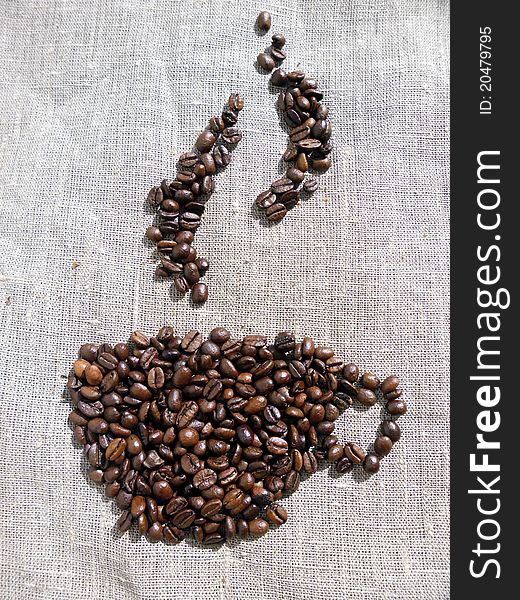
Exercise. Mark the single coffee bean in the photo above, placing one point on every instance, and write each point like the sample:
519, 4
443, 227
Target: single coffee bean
370, 381
276, 212
258, 527
321, 164
265, 199
265, 61
278, 40
390, 384
366, 397
310, 185
391, 429
290, 154
281, 185
263, 21
394, 407
295, 175
382, 445
344, 465
354, 453
278, 54
295, 76
199, 293
205, 141
232, 135
371, 463
279, 78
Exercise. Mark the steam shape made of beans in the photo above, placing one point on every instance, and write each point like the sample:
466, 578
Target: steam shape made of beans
300, 104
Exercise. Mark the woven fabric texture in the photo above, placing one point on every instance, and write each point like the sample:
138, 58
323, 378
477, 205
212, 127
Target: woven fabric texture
97, 100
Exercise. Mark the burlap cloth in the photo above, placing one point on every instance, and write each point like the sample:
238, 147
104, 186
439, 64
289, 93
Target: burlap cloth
97, 99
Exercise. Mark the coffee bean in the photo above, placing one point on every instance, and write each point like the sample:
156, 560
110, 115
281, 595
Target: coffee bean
344, 465
391, 429
263, 21
310, 185
295, 76
265, 199
366, 397
321, 164
236, 102
258, 527
232, 135
281, 185
382, 445
199, 293
221, 155
276, 212
205, 141
278, 54
370, 381
279, 78
191, 273
390, 384
396, 407
290, 154
295, 175
216, 124
371, 464
204, 479
265, 61
354, 453
115, 449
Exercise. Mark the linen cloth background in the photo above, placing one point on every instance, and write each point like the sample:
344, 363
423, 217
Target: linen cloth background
97, 100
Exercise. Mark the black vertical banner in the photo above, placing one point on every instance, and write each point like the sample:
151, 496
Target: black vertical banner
485, 247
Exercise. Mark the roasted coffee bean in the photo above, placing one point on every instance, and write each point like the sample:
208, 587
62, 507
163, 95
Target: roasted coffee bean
278, 54
321, 164
205, 141
265, 61
263, 21
276, 514
302, 162
279, 78
295, 76
290, 154
391, 429
371, 463
390, 384
292, 482
278, 40
217, 125
396, 407
266, 199
276, 212
281, 185
354, 453
199, 293
382, 445
310, 185
295, 175
230, 117
366, 396
370, 381
344, 465
221, 155
232, 135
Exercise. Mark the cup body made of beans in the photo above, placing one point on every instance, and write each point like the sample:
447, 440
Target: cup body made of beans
204, 436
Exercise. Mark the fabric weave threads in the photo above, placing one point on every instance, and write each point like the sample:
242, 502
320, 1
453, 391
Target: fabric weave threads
97, 101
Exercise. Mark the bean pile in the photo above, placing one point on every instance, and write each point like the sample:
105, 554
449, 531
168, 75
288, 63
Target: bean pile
181, 202
310, 129
205, 436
